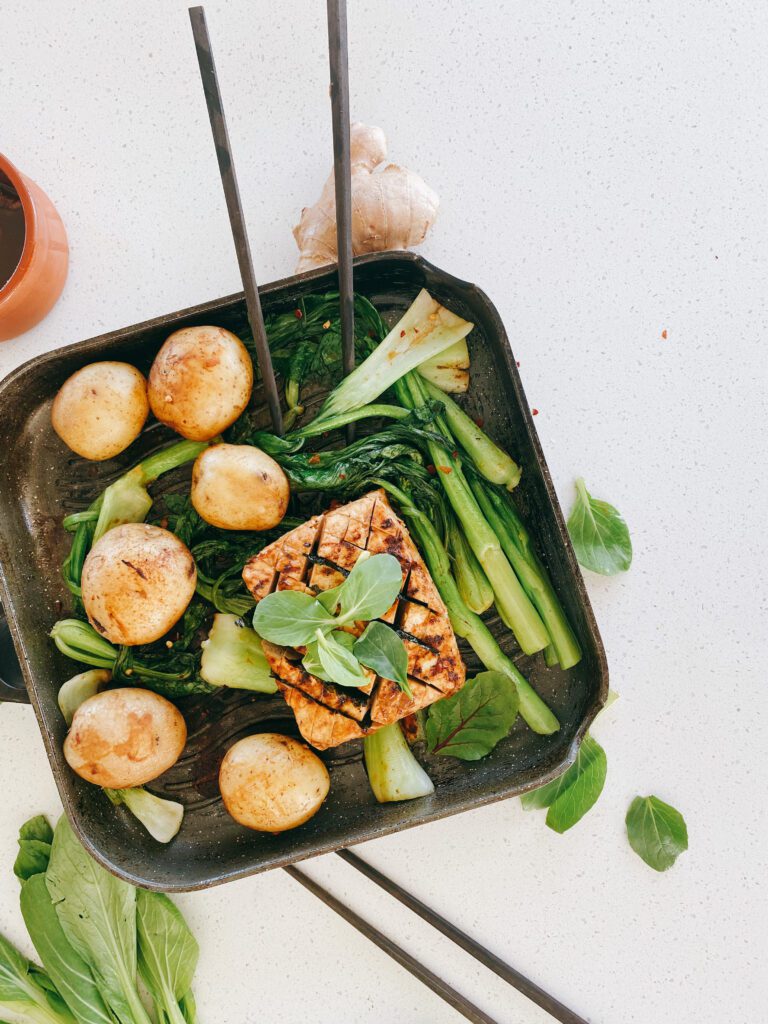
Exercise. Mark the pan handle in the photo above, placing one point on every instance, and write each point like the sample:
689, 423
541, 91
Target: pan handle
12, 686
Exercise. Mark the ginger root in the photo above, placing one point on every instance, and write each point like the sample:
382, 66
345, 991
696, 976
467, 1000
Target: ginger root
392, 208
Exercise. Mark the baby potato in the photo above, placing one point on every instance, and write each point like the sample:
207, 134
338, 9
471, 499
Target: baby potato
272, 783
137, 582
101, 409
200, 381
124, 738
239, 487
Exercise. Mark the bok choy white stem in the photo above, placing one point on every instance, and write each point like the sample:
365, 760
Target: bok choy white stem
393, 771
426, 329
127, 499
161, 818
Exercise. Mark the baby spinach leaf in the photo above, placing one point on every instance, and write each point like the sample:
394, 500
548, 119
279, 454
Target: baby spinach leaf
656, 832
570, 796
290, 618
168, 952
338, 662
66, 968
471, 723
381, 649
371, 588
97, 913
599, 534
311, 660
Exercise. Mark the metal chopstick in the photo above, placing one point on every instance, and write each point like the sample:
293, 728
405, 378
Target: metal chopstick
235, 211
342, 173
484, 956
411, 964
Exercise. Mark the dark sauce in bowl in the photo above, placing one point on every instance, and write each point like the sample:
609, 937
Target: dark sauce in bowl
12, 230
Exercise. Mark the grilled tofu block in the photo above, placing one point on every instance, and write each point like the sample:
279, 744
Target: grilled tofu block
318, 556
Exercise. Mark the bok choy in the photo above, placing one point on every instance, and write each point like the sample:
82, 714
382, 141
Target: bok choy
425, 330
449, 370
95, 935
393, 771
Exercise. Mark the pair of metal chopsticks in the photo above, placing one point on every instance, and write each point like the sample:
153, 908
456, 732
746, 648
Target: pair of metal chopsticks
473, 1013
337, 43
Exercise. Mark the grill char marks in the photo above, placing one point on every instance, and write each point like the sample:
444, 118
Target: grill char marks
318, 556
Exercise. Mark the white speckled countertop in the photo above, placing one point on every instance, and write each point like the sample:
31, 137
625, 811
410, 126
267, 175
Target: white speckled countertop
602, 174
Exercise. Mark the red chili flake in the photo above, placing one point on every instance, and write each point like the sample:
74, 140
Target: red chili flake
335, 503
314, 460
402, 334
431, 469
517, 363
445, 469
664, 334
164, 523
480, 421
455, 455
298, 314
534, 412
342, 476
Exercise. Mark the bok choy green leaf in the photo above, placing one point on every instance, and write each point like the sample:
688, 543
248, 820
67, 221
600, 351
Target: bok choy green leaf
168, 954
97, 913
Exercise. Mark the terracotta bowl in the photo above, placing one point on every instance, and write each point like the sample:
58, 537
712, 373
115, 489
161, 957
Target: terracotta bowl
37, 281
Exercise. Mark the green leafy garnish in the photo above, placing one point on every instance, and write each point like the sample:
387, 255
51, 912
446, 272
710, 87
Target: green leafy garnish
381, 649
290, 618
371, 588
656, 832
339, 663
311, 660
295, 619
469, 724
570, 796
599, 534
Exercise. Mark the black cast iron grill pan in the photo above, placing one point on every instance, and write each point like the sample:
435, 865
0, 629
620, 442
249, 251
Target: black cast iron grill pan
41, 481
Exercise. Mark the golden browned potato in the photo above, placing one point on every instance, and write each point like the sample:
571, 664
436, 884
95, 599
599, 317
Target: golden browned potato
239, 487
200, 381
137, 582
124, 738
101, 409
272, 783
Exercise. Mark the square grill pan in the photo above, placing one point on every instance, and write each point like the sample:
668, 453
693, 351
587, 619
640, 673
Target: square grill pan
41, 481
